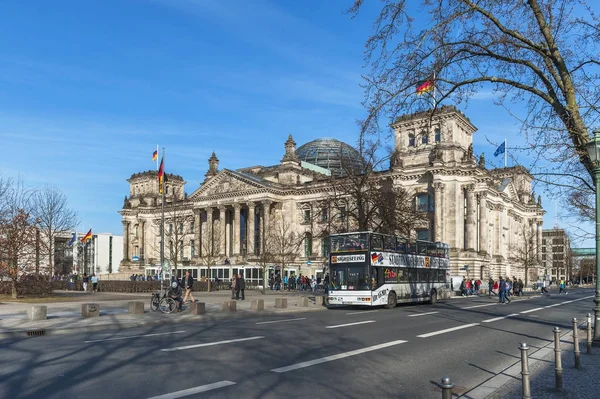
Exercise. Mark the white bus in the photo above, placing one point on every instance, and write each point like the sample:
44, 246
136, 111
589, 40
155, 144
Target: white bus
372, 269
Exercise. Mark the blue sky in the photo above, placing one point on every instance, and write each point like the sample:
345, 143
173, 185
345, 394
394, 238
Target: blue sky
89, 88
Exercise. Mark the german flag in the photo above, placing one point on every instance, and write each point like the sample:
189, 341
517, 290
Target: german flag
425, 86
87, 237
161, 176
155, 155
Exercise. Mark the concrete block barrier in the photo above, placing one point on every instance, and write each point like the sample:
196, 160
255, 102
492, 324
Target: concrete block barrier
136, 307
37, 312
197, 308
281, 303
229, 306
303, 302
257, 304
90, 309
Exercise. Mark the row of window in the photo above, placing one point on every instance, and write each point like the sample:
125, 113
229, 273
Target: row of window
424, 138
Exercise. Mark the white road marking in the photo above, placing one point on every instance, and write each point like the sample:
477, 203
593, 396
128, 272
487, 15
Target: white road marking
531, 310
480, 306
500, 318
180, 348
351, 324
551, 306
421, 314
431, 334
336, 357
363, 312
133, 336
280, 321
192, 391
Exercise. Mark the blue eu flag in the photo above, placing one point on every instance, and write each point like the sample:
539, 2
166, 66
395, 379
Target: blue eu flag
500, 149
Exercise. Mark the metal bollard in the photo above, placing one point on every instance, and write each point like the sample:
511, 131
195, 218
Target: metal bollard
525, 371
447, 388
557, 358
589, 333
576, 345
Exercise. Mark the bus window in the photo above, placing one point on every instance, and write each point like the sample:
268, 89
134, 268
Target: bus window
401, 245
432, 249
421, 248
411, 248
412, 276
390, 274
389, 243
441, 276
402, 275
376, 242
423, 276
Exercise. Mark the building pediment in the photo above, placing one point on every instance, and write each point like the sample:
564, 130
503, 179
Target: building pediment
229, 182
507, 186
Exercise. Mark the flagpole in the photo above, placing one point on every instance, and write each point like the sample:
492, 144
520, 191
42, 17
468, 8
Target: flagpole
162, 220
505, 151
157, 157
434, 91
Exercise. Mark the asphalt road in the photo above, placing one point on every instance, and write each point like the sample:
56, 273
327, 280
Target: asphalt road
340, 353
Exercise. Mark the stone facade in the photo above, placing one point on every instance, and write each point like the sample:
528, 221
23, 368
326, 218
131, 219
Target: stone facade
482, 214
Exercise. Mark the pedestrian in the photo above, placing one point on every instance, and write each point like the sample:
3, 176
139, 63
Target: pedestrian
94, 282
85, 280
233, 286
544, 290
175, 293
491, 287
188, 286
507, 292
241, 286
501, 290
561, 287
463, 287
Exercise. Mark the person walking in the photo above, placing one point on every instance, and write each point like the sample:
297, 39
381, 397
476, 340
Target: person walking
241, 286
491, 287
544, 290
561, 287
94, 282
188, 286
233, 286
85, 280
501, 290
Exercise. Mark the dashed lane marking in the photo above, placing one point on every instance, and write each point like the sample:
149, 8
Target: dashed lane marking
180, 348
500, 318
447, 330
480, 306
363, 312
280, 321
132, 336
421, 314
195, 390
531, 310
336, 357
351, 324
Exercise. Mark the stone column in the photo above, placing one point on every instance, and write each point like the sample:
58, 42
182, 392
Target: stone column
437, 216
499, 239
208, 239
236, 229
143, 241
250, 230
483, 223
222, 236
266, 220
471, 217
197, 232
539, 242
125, 240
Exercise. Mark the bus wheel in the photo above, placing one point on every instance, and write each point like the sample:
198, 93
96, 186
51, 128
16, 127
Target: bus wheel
433, 297
392, 301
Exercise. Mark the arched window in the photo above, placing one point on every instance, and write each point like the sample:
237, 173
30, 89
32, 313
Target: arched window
137, 230
424, 138
438, 135
411, 140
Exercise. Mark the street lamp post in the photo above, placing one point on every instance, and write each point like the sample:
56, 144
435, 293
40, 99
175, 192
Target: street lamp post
37, 246
593, 149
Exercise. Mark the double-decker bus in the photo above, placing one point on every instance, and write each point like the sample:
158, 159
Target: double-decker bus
373, 269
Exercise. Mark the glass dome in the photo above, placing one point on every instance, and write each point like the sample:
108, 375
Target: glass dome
332, 154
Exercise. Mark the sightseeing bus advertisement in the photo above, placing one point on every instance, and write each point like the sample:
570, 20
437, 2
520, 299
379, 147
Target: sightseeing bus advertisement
406, 260
337, 259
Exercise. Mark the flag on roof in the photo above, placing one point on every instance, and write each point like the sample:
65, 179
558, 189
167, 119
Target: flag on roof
425, 86
155, 155
87, 237
500, 150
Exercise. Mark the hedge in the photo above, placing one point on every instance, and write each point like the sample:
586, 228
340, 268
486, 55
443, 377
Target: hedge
140, 286
32, 284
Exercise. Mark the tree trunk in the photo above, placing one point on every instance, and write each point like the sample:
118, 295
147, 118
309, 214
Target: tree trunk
264, 288
14, 289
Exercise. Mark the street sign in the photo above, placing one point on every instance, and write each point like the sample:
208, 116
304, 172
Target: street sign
308, 262
135, 258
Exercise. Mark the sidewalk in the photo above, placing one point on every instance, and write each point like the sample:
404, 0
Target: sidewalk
65, 317
577, 384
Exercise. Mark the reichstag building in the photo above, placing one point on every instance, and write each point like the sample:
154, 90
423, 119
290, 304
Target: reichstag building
226, 226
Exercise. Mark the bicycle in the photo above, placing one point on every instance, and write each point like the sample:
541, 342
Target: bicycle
164, 303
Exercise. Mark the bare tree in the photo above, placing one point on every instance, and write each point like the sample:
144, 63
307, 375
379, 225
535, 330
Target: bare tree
17, 233
540, 58
211, 244
53, 218
177, 233
266, 257
523, 253
284, 242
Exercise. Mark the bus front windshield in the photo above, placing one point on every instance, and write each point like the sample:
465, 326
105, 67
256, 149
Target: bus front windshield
350, 278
